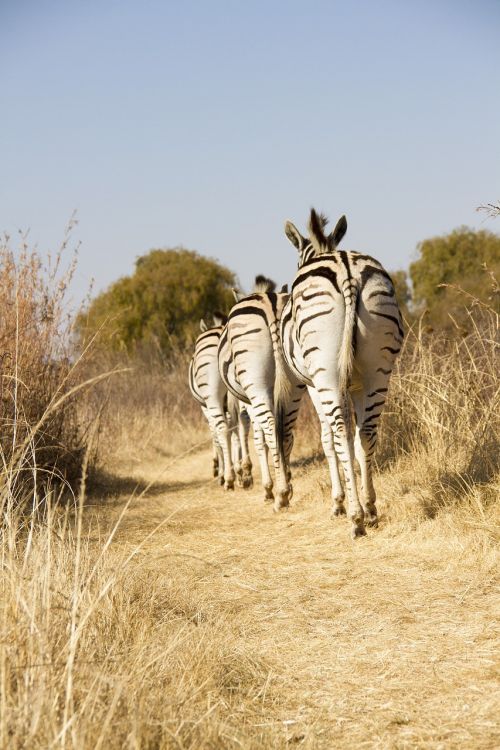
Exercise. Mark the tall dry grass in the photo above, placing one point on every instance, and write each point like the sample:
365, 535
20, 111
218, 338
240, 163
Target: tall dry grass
147, 409
42, 435
442, 419
99, 651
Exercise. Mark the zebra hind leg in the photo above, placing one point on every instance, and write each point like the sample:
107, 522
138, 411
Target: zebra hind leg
218, 421
262, 452
217, 458
338, 495
236, 455
368, 410
341, 424
215, 461
246, 463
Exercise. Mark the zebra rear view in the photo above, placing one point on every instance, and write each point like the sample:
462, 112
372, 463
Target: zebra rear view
228, 423
341, 332
253, 368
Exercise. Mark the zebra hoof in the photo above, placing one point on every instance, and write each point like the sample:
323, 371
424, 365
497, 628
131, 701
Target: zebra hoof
247, 482
283, 501
221, 481
358, 531
338, 510
229, 485
239, 480
268, 497
280, 507
371, 519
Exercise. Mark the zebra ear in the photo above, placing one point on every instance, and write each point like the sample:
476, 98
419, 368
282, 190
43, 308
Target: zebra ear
284, 289
203, 326
294, 235
237, 294
338, 232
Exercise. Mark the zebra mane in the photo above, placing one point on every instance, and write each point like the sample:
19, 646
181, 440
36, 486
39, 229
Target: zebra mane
316, 226
219, 318
321, 242
263, 284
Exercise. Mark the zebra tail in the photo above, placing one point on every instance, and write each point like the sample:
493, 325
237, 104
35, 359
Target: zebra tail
350, 292
282, 391
232, 411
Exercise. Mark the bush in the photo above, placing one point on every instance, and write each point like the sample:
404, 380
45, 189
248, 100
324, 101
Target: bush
458, 258
41, 432
159, 307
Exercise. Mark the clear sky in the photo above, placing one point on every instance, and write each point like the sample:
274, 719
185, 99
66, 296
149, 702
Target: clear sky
207, 124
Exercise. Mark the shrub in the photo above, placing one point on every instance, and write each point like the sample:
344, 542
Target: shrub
41, 433
159, 307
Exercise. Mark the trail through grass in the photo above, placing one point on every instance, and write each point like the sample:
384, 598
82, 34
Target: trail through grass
298, 635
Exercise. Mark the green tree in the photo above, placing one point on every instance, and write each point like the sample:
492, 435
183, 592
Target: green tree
457, 259
161, 304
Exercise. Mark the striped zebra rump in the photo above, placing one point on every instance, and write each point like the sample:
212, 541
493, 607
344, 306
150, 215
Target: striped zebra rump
229, 427
341, 332
253, 368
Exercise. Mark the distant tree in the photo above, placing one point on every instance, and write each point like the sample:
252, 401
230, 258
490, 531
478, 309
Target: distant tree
161, 304
462, 259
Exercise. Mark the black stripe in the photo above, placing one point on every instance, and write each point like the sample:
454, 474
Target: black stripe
369, 272
307, 297
380, 294
311, 317
379, 390
245, 333
311, 349
207, 346
200, 367
389, 317
273, 299
372, 407
345, 260
324, 271
247, 310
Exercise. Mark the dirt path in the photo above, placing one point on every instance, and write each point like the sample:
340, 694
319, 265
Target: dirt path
387, 642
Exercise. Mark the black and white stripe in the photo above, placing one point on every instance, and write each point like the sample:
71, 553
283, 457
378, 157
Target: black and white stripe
253, 368
228, 422
341, 332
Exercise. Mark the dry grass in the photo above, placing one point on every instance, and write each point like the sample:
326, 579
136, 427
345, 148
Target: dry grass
147, 407
42, 434
165, 613
210, 622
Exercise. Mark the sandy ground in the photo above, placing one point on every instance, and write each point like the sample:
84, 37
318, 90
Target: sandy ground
386, 642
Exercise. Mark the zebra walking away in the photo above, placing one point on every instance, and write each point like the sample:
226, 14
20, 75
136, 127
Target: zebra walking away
341, 332
253, 369
228, 421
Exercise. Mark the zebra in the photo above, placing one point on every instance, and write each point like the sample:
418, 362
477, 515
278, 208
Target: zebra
228, 422
253, 369
341, 332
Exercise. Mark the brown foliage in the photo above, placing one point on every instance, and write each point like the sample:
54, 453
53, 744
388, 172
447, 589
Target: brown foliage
41, 431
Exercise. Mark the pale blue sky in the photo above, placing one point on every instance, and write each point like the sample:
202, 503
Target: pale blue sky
208, 124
